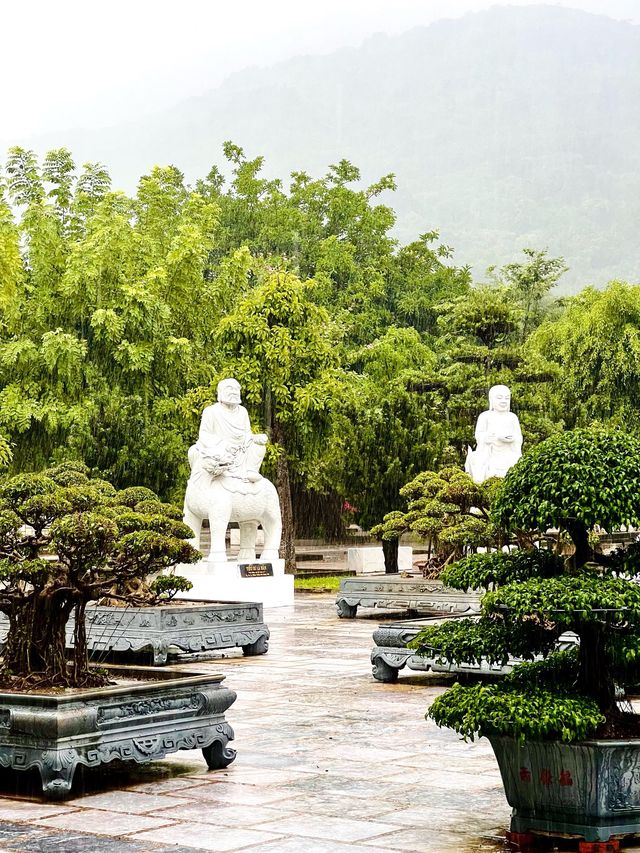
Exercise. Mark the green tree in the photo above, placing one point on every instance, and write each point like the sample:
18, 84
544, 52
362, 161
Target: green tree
100, 540
447, 510
593, 350
112, 322
280, 346
572, 481
530, 282
382, 432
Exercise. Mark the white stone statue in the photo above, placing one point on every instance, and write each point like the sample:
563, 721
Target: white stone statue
225, 441
498, 438
226, 484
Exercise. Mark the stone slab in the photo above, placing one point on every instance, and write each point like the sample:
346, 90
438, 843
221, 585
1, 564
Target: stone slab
405, 593
370, 560
223, 582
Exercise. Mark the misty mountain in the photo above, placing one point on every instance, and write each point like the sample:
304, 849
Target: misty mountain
507, 128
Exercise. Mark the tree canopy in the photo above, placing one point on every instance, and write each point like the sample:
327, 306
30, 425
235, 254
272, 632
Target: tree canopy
367, 361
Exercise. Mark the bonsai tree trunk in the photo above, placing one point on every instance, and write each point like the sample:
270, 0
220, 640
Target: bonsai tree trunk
592, 677
37, 636
390, 552
580, 536
80, 654
283, 485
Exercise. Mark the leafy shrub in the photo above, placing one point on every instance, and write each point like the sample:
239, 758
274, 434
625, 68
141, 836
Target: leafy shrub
167, 586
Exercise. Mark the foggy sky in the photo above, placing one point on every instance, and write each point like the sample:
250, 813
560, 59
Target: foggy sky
77, 64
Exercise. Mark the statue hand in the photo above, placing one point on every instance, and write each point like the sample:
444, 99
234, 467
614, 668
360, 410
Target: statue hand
505, 439
260, 438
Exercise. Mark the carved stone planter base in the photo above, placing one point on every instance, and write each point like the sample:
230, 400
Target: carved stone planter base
191, 627
390, 653
411, 593
588, 789
135, 721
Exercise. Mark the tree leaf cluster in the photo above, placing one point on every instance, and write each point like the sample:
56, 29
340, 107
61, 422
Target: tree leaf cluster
576, 479
67, 539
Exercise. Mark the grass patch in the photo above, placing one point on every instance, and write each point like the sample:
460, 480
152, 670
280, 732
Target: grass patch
330, 582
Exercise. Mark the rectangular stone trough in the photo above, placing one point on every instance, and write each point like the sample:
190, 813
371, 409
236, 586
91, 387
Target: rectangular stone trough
135, 720
405, 593
390, 653
190, 627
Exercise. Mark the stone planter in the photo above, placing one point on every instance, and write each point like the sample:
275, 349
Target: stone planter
589, 789
133, 721
396, 592
390, 653
192, 627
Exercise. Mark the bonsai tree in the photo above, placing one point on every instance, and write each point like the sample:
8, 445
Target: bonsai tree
446, 509
572, 481
65, 540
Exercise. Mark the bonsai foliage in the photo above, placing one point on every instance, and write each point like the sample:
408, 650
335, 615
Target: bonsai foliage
571, 481
574, 481
448, 510
65, 540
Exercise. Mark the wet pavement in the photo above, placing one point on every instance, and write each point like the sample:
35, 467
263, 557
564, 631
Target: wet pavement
329, 761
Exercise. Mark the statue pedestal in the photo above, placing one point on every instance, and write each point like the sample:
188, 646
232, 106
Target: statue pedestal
243, 580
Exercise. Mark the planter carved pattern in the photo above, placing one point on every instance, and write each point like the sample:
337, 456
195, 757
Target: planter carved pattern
142, 721
196, 627
588, 789
406, 593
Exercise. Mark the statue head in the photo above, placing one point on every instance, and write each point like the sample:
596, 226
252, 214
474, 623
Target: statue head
499, 398
229, 392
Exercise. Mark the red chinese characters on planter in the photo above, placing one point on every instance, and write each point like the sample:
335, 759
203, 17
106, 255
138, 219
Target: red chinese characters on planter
546, 777
565, 778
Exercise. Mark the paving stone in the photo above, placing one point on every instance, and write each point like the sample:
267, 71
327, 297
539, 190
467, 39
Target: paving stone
102, 822
19, 810
173, 849
204, 838
74, 843
313, 845
130, 802
246, 795
342, 829
220, 814
8, 830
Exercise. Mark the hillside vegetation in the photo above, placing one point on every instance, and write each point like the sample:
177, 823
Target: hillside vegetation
507, 128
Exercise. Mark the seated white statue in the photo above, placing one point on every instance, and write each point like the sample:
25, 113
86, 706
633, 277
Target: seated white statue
225, 482
226, 445
498, 438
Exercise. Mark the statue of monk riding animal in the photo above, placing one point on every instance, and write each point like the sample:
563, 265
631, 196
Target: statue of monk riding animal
225, 483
